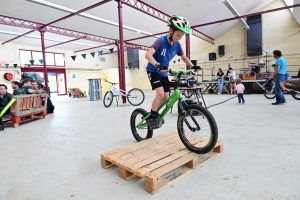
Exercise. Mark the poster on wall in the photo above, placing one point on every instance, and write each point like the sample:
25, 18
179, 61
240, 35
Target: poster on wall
74, 75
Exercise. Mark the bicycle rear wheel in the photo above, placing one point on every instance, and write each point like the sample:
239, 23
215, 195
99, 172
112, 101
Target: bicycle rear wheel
197, 129
135, 97
269, 92
135, 118
296, 93
108, 99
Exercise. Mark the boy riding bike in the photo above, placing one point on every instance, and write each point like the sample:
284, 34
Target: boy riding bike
159, 56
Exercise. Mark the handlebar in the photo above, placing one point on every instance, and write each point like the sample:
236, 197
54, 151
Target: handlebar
176, 72
109, 82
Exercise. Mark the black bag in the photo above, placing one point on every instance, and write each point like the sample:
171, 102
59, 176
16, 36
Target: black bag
187, 81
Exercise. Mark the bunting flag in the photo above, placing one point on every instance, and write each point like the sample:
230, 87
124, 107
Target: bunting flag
111, 50
28, 65
73, 57
41, 61
31, 62
100, 53
178, 60
93, 54
2, 63
6, 65
174, 61
15, 65
83, 55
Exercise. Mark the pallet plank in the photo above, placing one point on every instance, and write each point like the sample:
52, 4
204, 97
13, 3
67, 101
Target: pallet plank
161, 160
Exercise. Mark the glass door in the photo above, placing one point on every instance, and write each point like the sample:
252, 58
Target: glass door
61, 84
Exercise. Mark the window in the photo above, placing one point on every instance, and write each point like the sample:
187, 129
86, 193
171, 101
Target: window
52, 59
36, 56
25, 56
59, 59
49, 58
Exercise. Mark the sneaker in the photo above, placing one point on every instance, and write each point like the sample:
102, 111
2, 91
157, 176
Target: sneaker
153, 123
1, 127
284, 101
276, 103
218, 93
243, 102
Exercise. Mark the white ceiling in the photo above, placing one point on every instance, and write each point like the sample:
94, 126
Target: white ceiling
196, 11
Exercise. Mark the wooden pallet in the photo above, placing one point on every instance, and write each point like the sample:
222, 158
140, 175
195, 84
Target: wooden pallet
161, 160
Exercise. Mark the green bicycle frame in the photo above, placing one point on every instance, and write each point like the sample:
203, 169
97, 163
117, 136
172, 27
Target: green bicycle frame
169, 102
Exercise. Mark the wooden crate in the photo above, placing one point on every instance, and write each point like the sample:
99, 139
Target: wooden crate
161, 160
247, 76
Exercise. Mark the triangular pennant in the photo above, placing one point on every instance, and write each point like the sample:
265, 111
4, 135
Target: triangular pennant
111, 50
100, 53
73, 57
28, 65
2, 63
178, 60
6, 65
174, 61
31, 61
41, 61
93, 54
83, 55
15, 65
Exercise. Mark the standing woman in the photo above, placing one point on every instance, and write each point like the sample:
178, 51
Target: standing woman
232, 81
220, 76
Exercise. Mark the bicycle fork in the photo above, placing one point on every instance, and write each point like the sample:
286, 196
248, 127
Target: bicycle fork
184, 113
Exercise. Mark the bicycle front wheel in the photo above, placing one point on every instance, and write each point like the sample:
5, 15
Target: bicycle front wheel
269, 92
135, 118
135, 97
197, 129
108, 99
296, 93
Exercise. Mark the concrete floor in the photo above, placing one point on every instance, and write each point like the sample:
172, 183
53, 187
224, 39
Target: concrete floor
59, 157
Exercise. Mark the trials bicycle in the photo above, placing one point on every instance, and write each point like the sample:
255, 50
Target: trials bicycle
269, 92
196, 126
135, 96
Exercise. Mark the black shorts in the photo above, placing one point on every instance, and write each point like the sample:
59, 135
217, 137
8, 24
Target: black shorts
158, 81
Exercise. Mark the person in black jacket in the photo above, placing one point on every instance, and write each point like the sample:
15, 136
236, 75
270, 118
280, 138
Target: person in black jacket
5, 98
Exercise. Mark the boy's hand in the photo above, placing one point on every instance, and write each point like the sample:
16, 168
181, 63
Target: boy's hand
162, 68
196, 68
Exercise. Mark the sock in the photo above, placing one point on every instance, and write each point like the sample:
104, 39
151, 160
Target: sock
154, 114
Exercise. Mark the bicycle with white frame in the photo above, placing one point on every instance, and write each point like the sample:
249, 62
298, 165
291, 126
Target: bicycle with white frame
135, 96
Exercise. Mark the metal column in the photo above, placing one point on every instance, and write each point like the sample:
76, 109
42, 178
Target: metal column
122, 67
44, 58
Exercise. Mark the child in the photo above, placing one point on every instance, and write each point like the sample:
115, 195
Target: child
159, 56
240, 91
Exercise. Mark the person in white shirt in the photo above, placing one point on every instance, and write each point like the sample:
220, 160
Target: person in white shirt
232, 79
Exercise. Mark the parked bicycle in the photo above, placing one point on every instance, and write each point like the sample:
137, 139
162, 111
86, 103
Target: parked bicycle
196, 126
270, 91
135, 96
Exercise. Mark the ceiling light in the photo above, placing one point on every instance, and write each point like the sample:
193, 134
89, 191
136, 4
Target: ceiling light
235, 13
62, 8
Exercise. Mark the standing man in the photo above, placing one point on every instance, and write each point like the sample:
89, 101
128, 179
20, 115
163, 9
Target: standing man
279, 73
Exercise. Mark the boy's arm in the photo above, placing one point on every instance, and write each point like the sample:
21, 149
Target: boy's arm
149, 56
187, 60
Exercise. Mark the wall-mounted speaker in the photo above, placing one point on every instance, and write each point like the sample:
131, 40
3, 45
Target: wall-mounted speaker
221, 50
212, 56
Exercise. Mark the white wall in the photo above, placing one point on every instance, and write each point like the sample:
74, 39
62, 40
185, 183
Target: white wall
82, 68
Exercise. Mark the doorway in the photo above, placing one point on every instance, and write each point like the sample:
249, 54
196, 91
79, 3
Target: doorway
56, 79
105, 85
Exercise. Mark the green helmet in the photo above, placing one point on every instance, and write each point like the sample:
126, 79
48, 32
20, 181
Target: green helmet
180, 23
